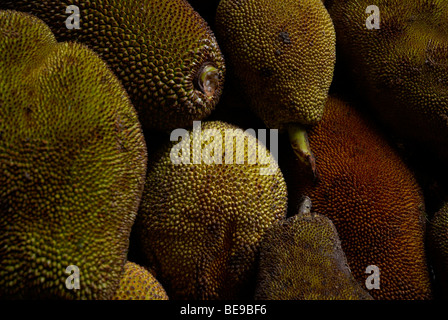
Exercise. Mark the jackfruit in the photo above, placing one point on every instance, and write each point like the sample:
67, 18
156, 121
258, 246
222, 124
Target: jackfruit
438, 248
399, 61
373, 199
301, 259
163, 52
282, 53
200, 224
72, 166
137, 283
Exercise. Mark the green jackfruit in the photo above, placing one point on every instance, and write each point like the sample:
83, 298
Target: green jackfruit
200, 224
282, 54
137, 283
301, 259
438, 247
72, 166
163, 52
401, 67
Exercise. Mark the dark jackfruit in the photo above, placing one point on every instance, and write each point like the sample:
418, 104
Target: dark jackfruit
401, 67
301, 259
282, 53
137, 283
372, 198
438, 247
163, 52
200, 224
72, 166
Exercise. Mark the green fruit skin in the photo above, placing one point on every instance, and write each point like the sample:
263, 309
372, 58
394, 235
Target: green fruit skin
199, 225
301, 258
72, 166
156, 48
401, 68
282, 54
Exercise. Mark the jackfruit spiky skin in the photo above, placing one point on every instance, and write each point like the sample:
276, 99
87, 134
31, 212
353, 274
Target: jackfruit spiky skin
200, 224
438, 247
301, 259
283, 55
402, 67
372, 198
72, 165
137, 283
156, 48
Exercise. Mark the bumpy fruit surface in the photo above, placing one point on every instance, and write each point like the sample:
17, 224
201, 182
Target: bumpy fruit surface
163, 52
301, 259
401, 67
200, 224
137, 283
283, 55
72, 166
372, 198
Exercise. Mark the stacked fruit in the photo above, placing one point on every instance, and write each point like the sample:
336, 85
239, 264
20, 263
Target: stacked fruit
127, 158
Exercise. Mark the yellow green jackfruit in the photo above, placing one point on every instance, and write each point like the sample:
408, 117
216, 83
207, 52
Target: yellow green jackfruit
301, 259
137, 283
399, 62
163, 52
438, 247
200, 223
282, 53
72, 166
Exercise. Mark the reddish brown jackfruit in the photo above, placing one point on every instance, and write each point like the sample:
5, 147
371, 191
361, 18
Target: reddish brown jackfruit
373, 199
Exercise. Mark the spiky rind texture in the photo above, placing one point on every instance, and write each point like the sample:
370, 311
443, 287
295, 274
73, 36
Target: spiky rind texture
283, 55
156, 48
301, 259
72, 165
402, 67
373, 199
200, 224
137, 283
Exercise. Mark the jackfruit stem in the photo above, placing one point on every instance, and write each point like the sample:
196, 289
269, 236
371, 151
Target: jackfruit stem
301, 146
209, 80
305, 206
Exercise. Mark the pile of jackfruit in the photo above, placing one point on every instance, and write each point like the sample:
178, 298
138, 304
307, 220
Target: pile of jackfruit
224, 149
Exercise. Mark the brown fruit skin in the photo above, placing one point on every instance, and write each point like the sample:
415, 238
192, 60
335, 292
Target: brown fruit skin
301, 259
156, 48
282, 53
199, 225
438, 248
372, 198
137, 283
